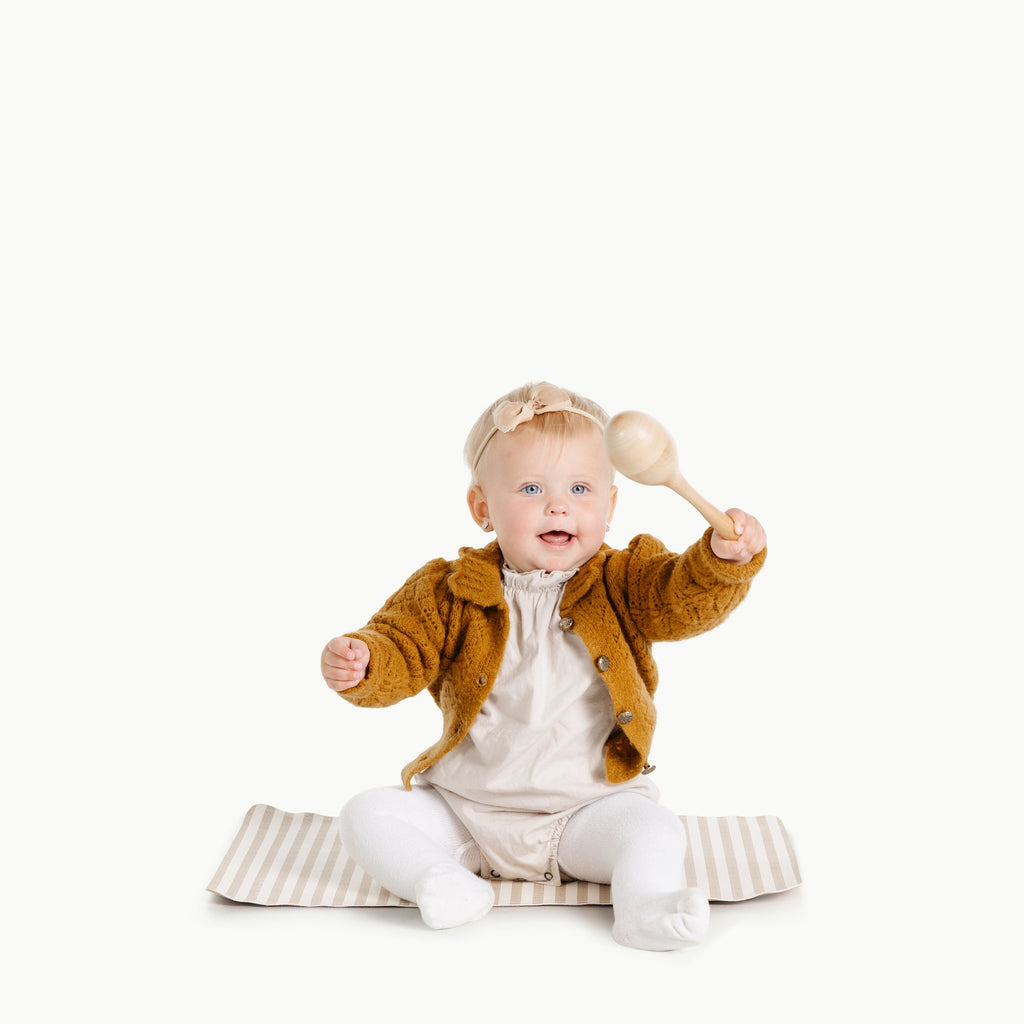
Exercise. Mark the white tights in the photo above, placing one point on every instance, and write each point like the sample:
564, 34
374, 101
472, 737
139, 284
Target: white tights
415, 846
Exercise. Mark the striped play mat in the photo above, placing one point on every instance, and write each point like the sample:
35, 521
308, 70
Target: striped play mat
283, 859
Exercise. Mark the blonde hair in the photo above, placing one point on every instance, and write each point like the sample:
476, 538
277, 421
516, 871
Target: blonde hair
548, 407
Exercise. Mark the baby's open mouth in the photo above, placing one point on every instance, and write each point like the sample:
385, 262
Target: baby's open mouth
557, 537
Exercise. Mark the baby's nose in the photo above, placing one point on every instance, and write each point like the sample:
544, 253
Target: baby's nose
557, 508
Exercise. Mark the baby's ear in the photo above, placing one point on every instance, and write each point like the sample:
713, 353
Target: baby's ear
478, 506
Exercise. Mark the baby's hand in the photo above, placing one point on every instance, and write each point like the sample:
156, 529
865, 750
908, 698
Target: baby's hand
344, 662
752, 539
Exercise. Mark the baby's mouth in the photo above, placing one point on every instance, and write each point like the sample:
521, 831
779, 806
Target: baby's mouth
559, 538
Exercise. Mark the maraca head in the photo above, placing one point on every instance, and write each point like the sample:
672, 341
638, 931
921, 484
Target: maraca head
640, 448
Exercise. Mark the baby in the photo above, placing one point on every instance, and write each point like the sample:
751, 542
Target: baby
537, 650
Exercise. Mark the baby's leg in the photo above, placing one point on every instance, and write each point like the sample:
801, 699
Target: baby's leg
415, 846
638, 847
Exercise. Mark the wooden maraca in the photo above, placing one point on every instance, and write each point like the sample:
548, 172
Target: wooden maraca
642, 449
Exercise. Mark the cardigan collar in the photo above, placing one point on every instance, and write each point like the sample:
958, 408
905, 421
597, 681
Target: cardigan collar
476, 576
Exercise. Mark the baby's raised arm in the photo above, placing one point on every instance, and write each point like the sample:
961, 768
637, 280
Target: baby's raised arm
343, 662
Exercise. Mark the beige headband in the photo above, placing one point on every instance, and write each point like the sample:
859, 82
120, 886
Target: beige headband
542, 398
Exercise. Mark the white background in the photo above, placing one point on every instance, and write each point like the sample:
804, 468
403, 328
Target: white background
264, 264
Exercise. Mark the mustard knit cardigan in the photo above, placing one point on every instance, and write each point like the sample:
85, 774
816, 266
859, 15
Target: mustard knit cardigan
445, 631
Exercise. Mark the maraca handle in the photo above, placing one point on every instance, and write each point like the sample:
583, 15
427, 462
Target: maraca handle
723, 525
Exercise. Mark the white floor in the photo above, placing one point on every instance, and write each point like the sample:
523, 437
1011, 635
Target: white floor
263, 266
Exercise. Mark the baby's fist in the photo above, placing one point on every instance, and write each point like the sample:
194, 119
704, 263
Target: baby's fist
343, 662
751, 542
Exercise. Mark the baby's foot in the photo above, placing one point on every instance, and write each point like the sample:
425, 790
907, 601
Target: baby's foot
448, 895
668, 921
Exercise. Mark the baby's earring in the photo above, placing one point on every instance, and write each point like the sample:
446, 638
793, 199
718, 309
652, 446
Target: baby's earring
485, 525
607, 527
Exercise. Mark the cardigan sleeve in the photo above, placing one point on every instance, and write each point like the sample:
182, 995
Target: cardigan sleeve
674, 596
406, 639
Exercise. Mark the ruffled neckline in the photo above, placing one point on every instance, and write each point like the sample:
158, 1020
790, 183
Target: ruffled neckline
536, 579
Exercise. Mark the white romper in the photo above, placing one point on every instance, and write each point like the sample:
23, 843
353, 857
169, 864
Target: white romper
535, 753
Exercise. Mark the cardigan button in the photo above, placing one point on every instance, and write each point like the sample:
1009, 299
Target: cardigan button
482, 681
624, 717
566, 624
647, 769
603, 663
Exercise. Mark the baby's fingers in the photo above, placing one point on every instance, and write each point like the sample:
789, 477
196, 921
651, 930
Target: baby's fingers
750, 540
751, 535
343, 662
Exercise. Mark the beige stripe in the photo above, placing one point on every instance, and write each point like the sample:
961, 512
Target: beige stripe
384, 898
296, 838
717, 856
710, 866
773, 860
784, 852
325, 872
689, 867
313, 866
697, 876
271, 864
762, 854
791, 853
745, 886
341, 893
278, 860
250, 828
371, 897
325, 891
377, 895
245, 877
728, 859
359, 886
218, 879
311, 872
751, 854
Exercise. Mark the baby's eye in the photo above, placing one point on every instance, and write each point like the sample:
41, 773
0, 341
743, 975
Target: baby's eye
531, 489
579, 489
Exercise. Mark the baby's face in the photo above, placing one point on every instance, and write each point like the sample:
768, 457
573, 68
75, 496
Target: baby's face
549, 500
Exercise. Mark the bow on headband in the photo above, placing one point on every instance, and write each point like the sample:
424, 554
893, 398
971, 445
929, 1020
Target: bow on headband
542, 398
